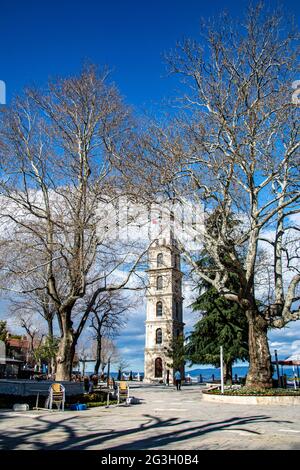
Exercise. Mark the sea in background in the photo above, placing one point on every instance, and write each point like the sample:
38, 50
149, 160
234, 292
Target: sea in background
207, 373
240, 371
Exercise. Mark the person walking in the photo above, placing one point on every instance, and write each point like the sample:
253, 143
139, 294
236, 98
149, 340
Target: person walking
178, 379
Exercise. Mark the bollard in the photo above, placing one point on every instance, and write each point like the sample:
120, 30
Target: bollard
107, 403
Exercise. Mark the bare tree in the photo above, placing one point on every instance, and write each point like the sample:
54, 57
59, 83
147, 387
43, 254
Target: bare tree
85, 352
106, 321
56, 148
234, 149
33, 332
109, 353
122, 365
35, 302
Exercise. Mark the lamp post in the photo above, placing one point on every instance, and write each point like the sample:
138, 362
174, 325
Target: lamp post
277, 368
222, 371
108, 371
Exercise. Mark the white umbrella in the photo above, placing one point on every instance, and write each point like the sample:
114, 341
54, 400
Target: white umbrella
294, 358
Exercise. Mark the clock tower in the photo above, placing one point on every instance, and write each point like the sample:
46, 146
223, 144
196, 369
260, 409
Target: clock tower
164, 322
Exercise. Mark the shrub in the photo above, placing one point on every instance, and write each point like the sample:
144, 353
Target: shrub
255, 391
95, 404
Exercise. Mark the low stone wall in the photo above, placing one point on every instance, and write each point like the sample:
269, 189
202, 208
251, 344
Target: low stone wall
32, 387
252, 400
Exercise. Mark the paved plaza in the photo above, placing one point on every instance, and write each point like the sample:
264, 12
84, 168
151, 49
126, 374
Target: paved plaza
165, 419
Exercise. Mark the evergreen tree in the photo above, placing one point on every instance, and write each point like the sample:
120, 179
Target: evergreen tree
5, 351
223, 323
46, 351
3, 330
176, 354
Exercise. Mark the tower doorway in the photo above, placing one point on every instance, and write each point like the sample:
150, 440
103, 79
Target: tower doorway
158, 367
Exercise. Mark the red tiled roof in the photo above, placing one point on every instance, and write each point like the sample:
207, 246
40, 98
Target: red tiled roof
18, 343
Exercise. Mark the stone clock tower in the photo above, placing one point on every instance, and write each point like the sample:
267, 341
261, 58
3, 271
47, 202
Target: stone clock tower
164, 309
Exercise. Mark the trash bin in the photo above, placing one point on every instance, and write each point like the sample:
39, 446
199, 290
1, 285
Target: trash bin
283, 382
78, 407
275, 383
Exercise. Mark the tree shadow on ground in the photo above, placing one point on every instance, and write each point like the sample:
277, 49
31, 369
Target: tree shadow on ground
154, 433
191, 432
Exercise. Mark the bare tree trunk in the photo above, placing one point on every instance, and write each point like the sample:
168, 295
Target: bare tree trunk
50, 328
51, 363
52, 366
66, 352
260, 369
228, 373
98, 354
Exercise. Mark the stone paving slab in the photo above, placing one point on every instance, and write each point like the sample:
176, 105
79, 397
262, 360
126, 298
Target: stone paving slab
165, 419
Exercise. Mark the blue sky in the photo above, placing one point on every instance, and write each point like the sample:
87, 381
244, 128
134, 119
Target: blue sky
39, 40
43, 39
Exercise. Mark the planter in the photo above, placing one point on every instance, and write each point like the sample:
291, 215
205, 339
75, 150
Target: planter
252, 400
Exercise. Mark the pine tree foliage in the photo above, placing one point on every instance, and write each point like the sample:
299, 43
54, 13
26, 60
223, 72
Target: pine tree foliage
176, 353
222, 323
3, 330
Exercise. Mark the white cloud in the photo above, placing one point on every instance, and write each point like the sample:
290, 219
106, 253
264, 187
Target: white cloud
285, 340
295, 346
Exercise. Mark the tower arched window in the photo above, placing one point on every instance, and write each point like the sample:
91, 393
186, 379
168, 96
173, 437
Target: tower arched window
160, 260
159, 219
159, 309
158, 336
159, 283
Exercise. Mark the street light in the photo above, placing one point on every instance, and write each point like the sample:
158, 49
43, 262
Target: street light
108, 371
222, 372
277, 368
